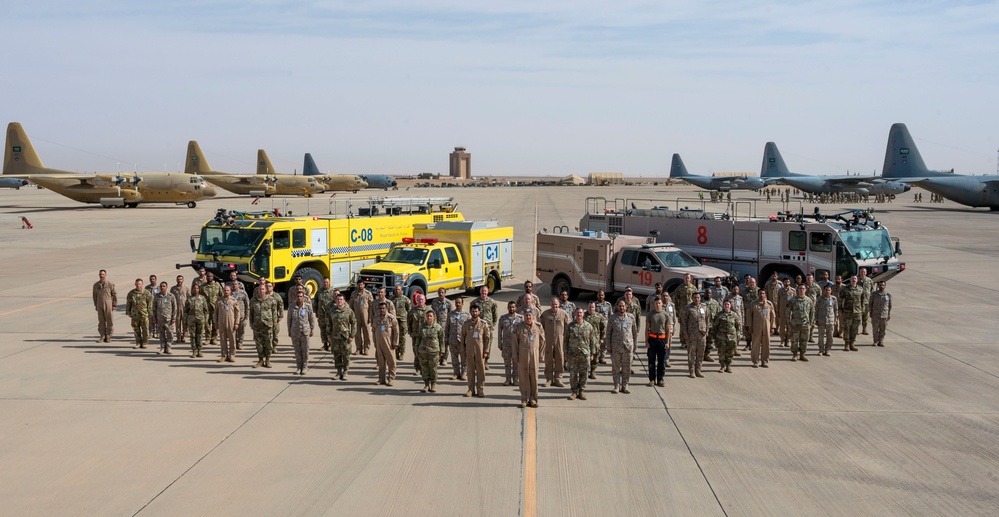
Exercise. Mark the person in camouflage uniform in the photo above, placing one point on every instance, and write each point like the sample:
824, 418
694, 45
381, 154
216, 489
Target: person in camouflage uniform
197, 313
324, 300
243, 301
154, 288
812, 291
442, 307
650, 300
620, 343
137, 306
867, 285
343, 327
529, 300
165, 313
749, 298
725, 334
262, 321
402, 307
880, 309
773, 287
682, 297
489, 313
851, 304
431, 344
278, 305
739, 309
784, 295
605, 309
800, 314
582, 345
456, 318
212, 291
695, 326
414, 320
565, 304
507, 323
713, 308
599, 323
826, 312
718, 292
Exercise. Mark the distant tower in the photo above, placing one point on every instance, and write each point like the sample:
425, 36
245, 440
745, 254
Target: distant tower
461, 163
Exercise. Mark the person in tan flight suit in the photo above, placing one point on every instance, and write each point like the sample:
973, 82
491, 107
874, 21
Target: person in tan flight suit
105, 300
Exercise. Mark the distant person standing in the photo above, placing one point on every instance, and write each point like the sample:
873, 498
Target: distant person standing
343, 328
657, 325
165, 313
725, 333
402, 307
180, 292
138, 303
528, 338
105, 300
760, 317
360, 299
442, 307
452, 337
431, 344
301, 326
695, 327
489, 313
226, 322
507, 326
554, 321
880, 308
385, 334
197, 313
826, 312
475, 333
620, 342
581, 345
263, 317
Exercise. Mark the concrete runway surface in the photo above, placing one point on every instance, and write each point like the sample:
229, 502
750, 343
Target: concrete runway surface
97, 429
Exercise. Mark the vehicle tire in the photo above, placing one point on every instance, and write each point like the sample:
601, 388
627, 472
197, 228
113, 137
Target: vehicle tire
191, 204
312, 279
131, 205
493, 283
416, 288
892, 197
559, 284
355, 192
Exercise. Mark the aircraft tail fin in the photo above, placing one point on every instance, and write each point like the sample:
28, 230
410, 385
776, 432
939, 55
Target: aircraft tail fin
773, 163
677, 169
902, 159
264, 163
310, 168
19, 156
196, 162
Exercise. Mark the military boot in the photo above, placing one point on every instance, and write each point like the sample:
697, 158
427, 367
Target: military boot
794, 357
708, 358
426, 385
803, 358
691, 374
267, 362
572, 396
728, 369
592, 375
581, 396
433, 387
339, 374
259, 363
853, 348
198, 354
697, 373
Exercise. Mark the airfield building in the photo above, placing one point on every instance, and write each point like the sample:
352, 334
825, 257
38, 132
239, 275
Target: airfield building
461, 163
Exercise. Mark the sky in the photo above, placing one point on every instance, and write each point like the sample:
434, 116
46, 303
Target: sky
540, 88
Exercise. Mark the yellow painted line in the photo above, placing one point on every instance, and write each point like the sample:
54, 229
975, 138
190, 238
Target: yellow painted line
530, 464
15, 311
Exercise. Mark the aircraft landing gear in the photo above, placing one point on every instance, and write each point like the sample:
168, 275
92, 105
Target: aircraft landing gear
191, 204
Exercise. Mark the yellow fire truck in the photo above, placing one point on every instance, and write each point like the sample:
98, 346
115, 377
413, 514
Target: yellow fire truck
264, 245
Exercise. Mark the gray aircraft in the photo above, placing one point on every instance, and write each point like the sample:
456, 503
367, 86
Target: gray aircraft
14, 183
678, 171
332, 182
774, 170
379, 181
903, 162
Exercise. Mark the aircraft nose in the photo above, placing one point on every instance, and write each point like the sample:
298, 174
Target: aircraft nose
906, 187
208, 191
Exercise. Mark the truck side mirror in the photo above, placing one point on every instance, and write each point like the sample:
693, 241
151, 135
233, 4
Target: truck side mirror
898, 248
194, 245
434, 264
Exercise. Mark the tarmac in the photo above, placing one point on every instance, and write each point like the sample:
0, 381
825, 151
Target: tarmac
102, 429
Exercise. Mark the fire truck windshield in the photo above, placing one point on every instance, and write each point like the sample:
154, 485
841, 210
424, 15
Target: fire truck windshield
401, 255
231, 242
869, 244
677, 259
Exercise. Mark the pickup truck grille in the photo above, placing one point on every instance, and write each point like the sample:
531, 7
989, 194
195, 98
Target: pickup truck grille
376, 279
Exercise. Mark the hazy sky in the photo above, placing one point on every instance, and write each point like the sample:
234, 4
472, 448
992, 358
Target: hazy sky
529, 87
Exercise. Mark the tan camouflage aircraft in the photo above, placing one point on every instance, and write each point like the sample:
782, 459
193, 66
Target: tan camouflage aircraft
21, 161
264, 183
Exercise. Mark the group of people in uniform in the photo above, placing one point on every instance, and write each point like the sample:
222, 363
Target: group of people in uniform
564, 337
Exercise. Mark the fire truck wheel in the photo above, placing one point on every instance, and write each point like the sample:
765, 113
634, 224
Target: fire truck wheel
416, 288
311, 279
493, 283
